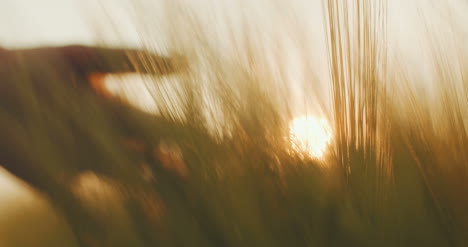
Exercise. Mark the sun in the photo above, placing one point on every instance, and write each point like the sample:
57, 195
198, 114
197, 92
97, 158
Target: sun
310, 135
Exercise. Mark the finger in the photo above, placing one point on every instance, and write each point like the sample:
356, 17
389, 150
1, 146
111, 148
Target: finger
88, 60
82, 61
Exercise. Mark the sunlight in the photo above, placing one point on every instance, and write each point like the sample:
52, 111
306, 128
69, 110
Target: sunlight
310, 135
130, 88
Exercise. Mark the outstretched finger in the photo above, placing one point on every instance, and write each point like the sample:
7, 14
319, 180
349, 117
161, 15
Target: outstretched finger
91, 59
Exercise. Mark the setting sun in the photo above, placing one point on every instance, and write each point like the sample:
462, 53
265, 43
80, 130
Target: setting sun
310, 135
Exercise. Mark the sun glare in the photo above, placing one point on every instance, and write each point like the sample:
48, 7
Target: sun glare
310, 135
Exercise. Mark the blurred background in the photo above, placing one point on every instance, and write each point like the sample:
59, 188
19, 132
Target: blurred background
322, 123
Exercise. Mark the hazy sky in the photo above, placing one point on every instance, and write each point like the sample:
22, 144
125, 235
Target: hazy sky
290, 29
41, 22
31, 22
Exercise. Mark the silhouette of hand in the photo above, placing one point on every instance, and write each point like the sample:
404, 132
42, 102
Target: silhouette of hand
55, 121
60, 89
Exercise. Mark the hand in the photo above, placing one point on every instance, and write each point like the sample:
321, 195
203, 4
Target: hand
55, 123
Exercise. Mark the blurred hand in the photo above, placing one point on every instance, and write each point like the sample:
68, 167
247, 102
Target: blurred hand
55, 97
43, 79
